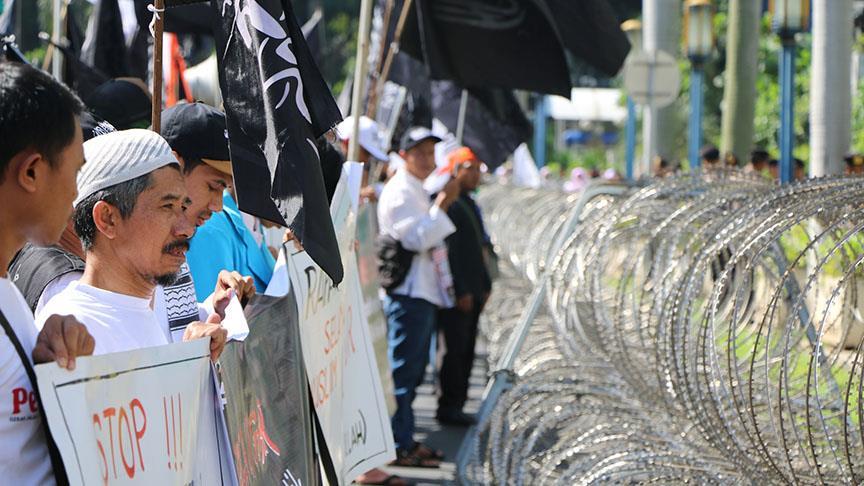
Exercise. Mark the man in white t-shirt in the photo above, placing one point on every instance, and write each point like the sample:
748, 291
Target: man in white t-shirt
40, 155
130, 215
196, 134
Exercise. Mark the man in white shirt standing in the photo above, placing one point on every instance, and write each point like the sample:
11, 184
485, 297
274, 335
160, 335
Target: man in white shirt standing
407, 214
40, 155
130, 215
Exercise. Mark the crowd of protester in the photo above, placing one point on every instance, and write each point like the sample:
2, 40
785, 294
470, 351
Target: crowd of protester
760, 163
118, 238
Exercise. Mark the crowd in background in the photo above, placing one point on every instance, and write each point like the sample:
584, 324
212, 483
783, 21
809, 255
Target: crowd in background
118, 238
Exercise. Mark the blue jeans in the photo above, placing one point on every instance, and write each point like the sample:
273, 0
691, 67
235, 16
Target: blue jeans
410, 325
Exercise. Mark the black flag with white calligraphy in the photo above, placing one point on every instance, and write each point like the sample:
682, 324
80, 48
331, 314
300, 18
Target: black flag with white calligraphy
277, 104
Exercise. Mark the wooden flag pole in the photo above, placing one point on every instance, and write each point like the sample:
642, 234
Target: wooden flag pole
391, 53
372, 103
360, 70
158, 24
57, 15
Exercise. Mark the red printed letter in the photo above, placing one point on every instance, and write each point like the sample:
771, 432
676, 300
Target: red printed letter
130, 469
98, 422
139, 431
108, 413
19, 397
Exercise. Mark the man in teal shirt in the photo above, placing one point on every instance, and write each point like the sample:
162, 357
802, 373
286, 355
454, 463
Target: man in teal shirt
224, 242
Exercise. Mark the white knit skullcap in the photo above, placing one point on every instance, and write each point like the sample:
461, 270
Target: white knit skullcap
119, 157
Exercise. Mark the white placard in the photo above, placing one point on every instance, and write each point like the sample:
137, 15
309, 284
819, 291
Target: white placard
338, 352
141, 417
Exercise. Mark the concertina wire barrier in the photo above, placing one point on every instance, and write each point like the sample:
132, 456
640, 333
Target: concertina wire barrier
702, 328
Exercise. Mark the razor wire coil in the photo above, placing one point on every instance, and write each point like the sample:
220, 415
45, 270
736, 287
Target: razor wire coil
701, 329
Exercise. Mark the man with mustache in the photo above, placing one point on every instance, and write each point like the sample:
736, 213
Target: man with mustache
196, 134
130, 215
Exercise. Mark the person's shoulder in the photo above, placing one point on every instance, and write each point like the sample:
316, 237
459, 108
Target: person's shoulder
395, 192
214, 227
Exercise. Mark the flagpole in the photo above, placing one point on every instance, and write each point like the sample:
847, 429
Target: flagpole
362, 67
460, 123
392, 51
372, 104
156, 114
56, 26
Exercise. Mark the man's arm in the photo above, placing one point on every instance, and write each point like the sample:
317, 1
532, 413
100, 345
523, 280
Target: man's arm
419, 231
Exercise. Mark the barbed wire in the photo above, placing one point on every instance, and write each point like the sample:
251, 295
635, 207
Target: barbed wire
703, 328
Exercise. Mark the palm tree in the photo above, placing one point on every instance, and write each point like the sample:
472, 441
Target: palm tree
830, 91
742, 67
661, 24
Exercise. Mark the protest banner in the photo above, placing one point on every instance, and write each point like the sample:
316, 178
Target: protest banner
337, 348
149, 416
370, 287
267, 398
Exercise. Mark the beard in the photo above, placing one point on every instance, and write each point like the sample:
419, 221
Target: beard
166, 280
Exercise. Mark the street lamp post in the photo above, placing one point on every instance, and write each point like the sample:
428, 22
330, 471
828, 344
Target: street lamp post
788, 18
700, 43
633, 30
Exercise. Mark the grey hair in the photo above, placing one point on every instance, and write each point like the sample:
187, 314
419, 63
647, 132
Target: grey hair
122, 196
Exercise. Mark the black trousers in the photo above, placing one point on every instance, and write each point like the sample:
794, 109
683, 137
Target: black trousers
457, 336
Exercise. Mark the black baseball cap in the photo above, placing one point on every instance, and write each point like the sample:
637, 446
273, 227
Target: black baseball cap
124, 103
198, 131
415, 135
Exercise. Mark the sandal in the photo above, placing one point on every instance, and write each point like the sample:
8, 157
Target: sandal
426, 452
390, 480
412, 459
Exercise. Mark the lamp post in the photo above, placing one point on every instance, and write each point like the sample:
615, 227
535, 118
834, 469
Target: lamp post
788, 18
699, 19
633, 30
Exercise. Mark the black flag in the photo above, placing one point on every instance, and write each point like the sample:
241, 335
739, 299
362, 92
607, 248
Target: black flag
494, 122
313, 32
104, 43
277, 104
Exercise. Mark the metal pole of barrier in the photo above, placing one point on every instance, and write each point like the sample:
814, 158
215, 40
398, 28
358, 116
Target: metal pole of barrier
696, 94
502, 376
540, 131
787, 108
631, 138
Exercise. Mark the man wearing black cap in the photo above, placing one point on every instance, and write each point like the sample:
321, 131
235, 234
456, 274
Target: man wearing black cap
417, 227
197, 133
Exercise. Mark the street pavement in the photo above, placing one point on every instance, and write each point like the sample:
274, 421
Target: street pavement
437, 436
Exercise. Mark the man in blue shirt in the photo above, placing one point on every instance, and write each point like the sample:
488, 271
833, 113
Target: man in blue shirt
224, 242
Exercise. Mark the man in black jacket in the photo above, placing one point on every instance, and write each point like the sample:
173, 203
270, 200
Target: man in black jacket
472, 284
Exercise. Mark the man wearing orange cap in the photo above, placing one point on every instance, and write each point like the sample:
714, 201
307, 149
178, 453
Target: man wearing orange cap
471, 282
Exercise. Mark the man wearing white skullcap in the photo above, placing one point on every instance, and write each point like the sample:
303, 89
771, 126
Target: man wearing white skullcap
130, 217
